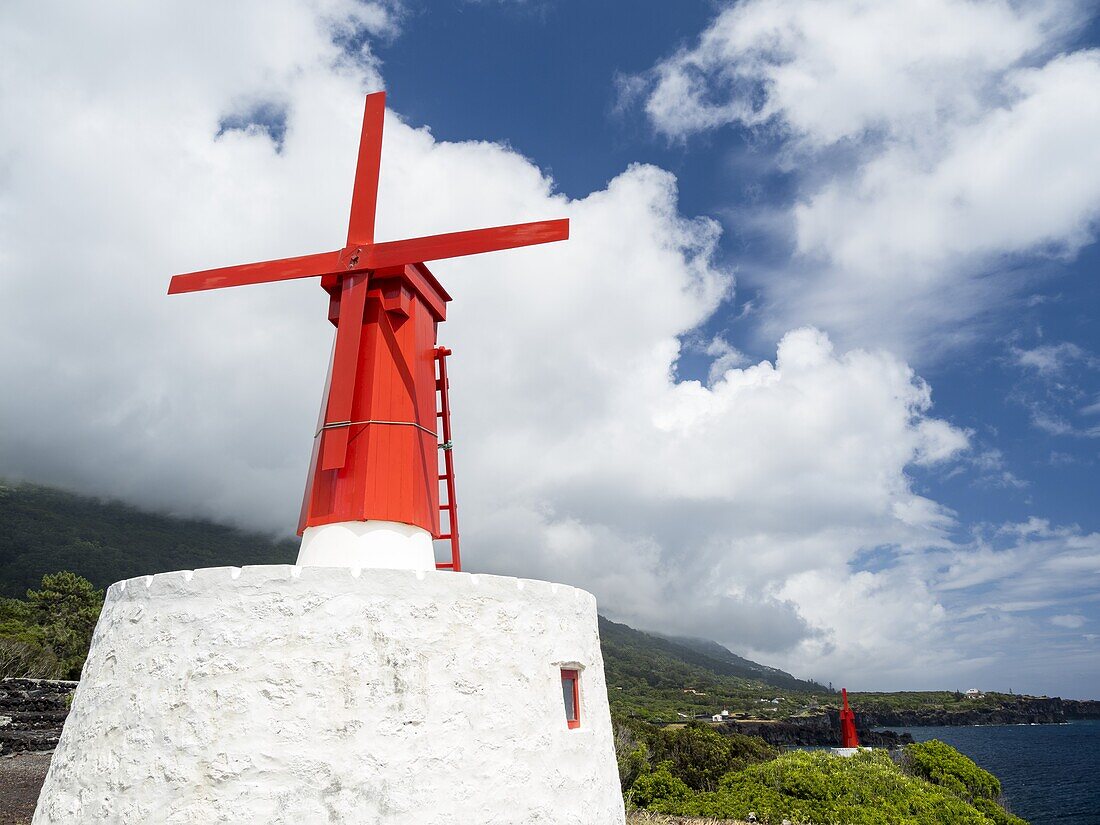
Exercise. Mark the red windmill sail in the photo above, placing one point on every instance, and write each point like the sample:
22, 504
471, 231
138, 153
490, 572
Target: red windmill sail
848, 736
375, 450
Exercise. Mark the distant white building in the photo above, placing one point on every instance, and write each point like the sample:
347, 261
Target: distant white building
974, 693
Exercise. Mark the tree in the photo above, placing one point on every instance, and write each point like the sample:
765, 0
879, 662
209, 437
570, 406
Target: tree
66, 608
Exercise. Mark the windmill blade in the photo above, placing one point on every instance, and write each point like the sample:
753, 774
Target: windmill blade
364, 195
457, 244
284, 269
345, 363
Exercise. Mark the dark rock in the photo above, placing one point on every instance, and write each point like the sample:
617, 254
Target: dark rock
821, 730
1023, 710
32, 713
1081, 708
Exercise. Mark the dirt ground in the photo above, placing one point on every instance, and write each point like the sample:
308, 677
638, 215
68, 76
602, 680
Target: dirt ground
646, 818
21, 777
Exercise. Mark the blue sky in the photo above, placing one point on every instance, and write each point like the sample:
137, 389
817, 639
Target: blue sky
817, 375
542, 76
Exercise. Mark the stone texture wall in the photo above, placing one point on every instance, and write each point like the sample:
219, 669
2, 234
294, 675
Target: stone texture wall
32, 712
313, 695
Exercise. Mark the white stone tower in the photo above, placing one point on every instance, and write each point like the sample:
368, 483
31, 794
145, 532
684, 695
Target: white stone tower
280, 694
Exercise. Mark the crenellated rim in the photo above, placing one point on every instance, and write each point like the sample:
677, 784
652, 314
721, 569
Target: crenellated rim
256, 575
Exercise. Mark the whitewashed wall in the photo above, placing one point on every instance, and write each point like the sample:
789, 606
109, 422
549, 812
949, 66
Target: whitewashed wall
313, 695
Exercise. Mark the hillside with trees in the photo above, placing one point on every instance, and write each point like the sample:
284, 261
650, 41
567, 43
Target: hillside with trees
43, 530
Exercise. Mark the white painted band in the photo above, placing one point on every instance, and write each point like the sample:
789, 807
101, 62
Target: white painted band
368, 544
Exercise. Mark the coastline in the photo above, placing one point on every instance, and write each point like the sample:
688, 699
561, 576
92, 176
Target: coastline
884, 727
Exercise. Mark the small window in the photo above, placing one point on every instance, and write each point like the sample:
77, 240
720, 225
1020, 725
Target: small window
570, 691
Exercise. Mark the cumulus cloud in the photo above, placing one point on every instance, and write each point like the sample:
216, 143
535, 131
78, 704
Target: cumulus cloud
772, 508
937, 142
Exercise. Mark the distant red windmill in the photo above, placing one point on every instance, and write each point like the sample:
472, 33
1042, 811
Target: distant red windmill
375, 456
848, 736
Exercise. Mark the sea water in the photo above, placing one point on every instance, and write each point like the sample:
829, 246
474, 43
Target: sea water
1049, 773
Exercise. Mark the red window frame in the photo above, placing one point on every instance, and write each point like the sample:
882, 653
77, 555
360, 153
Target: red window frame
575, 677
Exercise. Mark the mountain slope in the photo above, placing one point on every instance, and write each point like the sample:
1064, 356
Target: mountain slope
732, 664
43, 530
657, 677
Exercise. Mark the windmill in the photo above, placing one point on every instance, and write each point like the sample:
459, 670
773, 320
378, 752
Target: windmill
372, 498
310, 692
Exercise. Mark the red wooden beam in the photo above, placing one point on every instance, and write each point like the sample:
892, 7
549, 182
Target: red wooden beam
285, 269
364, 194
345, 360
458, 244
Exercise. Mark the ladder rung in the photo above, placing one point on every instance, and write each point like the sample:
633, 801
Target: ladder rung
446, 536
445, 506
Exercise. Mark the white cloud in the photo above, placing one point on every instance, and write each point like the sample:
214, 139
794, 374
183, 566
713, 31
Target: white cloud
745, 509
1053, 359
1068, 620
976, 606
725, 355
937, 142
1056, 395
833, 71
992, 470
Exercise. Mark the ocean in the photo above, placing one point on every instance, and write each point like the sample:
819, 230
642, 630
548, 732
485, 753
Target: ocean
1049, 773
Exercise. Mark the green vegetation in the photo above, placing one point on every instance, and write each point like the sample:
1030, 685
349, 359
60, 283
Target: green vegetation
660, 679
42, 530
945, 700
47, 636
694, 754
869, 788
942, 765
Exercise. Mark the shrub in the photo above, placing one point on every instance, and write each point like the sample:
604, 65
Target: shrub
701, 756
996, 813
631, 756
658, 788
865, 789
23, 657
941, 764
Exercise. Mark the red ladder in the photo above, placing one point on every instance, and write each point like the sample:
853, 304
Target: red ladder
442, 386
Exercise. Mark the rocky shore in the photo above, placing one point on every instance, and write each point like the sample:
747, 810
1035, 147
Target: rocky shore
823, 729
817, 731
1023, 710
